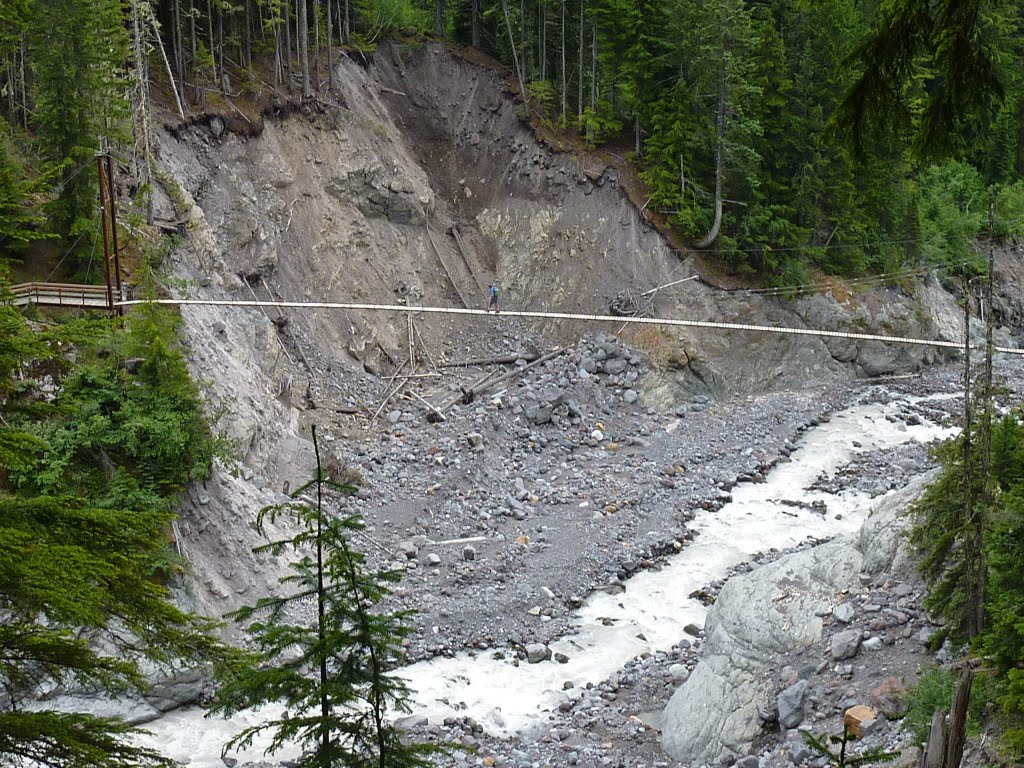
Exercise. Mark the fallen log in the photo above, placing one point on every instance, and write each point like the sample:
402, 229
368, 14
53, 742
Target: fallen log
491, 382
467, 394
349, 410
499, 360
390, 393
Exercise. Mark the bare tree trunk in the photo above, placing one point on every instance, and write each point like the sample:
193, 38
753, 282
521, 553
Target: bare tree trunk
542, 34
24, 85
197, 90
152, 23
330, 45
347, 31
475, 23
12, 88
302, 24
958, 719
224, 86
593, 69
564, 104
177, 43
278, 66
288, 45
439, 18
247, 35
515, 57
579, 90
986, 432
935, 747
716, 226
316, 44
968, 487
213, 44
524, 66
142, 104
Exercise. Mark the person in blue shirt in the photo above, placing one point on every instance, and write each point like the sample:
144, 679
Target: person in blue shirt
494, 301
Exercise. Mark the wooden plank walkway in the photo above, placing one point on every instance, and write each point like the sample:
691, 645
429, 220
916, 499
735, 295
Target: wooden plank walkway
60, 295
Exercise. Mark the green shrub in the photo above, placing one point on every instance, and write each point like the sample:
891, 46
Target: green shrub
794, 277
951, 211
933, 690
1011, 702
1009, 210
543, 96
128, 429
599, 126
382, 17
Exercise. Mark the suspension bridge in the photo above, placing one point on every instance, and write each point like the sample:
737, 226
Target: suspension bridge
104, 297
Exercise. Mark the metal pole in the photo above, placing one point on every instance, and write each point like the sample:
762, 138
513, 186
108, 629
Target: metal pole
112, 196
106, 244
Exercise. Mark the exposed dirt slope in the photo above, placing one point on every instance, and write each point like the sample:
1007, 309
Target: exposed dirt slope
359, 200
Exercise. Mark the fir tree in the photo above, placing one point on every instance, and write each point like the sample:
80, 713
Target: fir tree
340, 691
20, 218
78, 50
71, 574
839, 757
948, 541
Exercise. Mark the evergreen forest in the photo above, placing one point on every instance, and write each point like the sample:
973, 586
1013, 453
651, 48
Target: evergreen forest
783, 138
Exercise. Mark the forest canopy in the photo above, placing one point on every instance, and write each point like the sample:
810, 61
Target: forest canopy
780, 137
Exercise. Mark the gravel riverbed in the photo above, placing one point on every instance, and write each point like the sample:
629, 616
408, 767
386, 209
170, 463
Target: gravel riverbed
508, 514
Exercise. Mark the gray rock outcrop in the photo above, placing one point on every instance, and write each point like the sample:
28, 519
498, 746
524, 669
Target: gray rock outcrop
378, 193
765, 614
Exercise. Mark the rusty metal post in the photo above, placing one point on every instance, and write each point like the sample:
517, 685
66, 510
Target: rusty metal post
112, 196
103, 224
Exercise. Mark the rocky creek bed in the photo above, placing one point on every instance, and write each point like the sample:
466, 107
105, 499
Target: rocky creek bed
566, 485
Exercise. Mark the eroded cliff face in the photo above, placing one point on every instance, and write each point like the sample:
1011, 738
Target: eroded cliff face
567, 238
418, 184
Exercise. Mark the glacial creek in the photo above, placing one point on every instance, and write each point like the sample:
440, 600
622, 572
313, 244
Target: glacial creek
611, 629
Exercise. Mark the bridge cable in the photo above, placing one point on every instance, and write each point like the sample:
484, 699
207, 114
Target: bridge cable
570, 316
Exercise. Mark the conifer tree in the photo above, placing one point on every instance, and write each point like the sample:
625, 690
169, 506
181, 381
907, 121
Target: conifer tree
78, 50
20, 220
340, 691
71, 574
955, 45
942, 534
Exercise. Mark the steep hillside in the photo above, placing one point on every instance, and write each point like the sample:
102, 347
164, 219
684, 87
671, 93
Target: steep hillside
367, 199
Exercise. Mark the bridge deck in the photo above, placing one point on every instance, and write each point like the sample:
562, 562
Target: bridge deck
60, 295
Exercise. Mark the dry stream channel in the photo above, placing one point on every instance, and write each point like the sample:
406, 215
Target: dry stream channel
611, 629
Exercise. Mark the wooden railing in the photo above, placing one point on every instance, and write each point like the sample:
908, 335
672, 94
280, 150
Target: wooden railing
60, 295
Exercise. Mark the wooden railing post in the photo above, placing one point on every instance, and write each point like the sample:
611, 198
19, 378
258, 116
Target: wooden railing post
957, 737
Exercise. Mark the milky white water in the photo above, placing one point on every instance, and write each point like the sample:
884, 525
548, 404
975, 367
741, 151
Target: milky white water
507, 699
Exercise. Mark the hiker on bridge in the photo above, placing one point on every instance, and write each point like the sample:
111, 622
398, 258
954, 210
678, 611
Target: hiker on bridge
494, 300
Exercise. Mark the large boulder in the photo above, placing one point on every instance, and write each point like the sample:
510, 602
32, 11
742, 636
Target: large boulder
845, 644
765, 614
791, 704
757, 617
